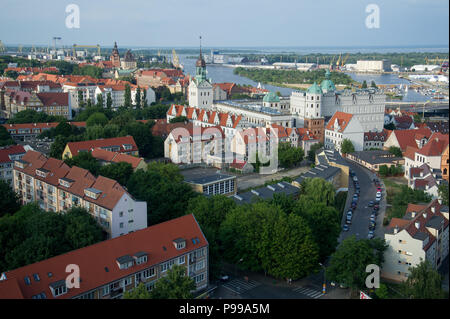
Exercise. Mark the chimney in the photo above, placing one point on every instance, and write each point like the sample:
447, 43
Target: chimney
413, 214
433, 209
424, 214
417, 224
395, 229
421, 173
440, 201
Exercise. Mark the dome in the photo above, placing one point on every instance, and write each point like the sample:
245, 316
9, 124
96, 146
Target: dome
327, 85
271, 98
314, 89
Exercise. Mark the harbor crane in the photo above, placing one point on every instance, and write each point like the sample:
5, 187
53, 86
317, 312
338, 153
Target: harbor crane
84, 46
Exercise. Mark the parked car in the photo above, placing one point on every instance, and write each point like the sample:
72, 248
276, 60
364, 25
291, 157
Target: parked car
371, 234
373, 218
371, 203
372, 227
345, 227
357, 191
375, 212
376, 207
357, 186
348, 220
355, 179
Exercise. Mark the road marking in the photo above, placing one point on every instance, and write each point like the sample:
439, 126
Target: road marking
239, 286
309, 292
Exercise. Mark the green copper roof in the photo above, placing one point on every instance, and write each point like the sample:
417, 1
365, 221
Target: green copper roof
314, 89
271, 98
327, 85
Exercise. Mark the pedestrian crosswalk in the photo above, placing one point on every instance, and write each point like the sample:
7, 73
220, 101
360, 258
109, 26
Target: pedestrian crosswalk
239, 286
313, 293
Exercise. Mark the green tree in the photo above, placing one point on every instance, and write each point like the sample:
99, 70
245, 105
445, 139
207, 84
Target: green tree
84, 160
5, 137
288, 156
382, 292
121, 172
373, 85
9, 200
390, 126
424, 282
11, 74
32, 235
210, 212
97, 119
100, 101
80, 98
63, 128
175, 285
364, 85
312, 151
348, 264
179, 119
347, 146
138, 97
383, 170
166, 198
417, 118
396, 151
318, 190
127, 96
140, 292
144, 98
443, 193
109, 100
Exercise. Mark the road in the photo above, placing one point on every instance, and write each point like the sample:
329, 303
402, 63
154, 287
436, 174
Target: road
361, 215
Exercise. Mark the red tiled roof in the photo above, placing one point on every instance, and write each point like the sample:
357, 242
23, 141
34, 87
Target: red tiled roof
93, 260
75, 147
342, 118
410, 152
408, 137
435, 145
54, 98
10, 150
116, 157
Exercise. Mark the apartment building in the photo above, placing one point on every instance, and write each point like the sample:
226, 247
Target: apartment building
8, 155
112, 267
375, 140
422, 234
431, 153
344, 126
124, 144
193, 144
20, 132
213, 184
57, 187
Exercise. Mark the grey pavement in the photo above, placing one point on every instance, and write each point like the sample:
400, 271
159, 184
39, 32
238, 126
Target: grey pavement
255, 180
361, 215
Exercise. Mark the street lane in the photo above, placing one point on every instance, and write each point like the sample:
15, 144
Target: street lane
361, 215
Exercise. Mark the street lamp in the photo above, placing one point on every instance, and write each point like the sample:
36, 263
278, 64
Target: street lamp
235, 267
324, 286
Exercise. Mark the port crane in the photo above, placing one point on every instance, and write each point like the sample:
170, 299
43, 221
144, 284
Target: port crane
84, 46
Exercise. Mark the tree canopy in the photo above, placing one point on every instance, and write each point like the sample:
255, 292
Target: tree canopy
347, 146
424, 282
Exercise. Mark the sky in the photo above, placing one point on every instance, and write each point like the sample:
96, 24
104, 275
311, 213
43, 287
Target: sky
227, 23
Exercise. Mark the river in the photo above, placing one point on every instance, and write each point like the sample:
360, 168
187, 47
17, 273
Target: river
220, 74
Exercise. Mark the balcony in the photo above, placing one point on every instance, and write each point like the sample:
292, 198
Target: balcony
116, 292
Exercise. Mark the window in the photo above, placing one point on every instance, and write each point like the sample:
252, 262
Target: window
200, 265
36, 277
121, 214
27, 281
58, 291
181, 260
128, 281
148, 273
199, 278
105, 290
121, 225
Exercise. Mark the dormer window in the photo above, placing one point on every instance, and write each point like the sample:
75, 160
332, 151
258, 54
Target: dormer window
66, 182
140, 257
127, 146
58, 288
21, 164
179, 243
92, 192
125, 262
